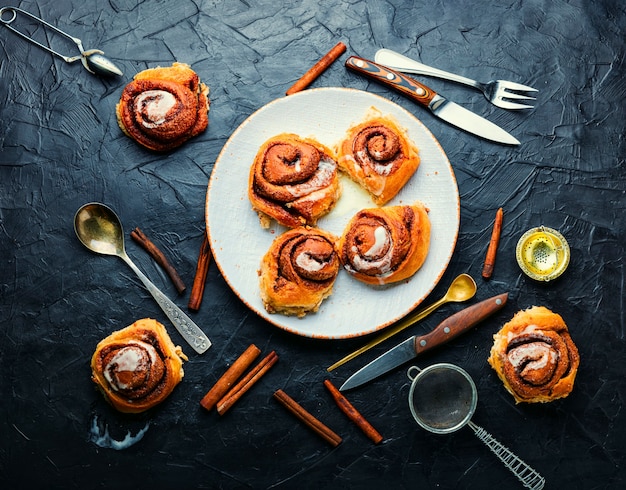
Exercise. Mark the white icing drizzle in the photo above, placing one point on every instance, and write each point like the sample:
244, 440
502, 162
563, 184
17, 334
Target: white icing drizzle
307, 263
155, 104
320, 179
105, 440
528, 329
382, 239
367, 181
541, 355
380, 168
313, 196
127, 359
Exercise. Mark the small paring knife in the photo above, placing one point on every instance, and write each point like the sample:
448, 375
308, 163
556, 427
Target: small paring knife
451, 327
438, 105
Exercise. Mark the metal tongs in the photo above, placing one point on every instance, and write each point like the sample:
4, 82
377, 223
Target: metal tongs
93, 59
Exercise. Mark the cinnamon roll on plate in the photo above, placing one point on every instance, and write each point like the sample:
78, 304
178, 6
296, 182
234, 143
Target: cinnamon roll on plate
163, 107
293, 180
137, 367
535, 356
379, 155
385, 245
298, 271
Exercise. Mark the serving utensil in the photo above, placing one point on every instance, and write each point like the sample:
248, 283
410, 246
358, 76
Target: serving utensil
450, 328
498, 92
435, 103
93, 60
443, 398
462, 288
99, 229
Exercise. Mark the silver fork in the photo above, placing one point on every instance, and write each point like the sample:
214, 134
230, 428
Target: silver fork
496, 91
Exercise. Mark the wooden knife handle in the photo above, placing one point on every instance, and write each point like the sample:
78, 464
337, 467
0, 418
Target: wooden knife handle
459, 323
405, 85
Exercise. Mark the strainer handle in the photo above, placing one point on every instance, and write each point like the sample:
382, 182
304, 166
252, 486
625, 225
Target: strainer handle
529, 477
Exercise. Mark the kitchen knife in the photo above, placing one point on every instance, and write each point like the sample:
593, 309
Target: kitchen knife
409, 349
438, 105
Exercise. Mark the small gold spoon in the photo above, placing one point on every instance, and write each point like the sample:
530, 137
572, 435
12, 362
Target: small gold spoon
462, 288
100, 230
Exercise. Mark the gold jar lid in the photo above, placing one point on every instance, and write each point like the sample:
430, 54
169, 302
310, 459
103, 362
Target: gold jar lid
542, 253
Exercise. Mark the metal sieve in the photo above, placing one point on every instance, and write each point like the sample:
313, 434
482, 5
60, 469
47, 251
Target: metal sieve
443, 398
542, 253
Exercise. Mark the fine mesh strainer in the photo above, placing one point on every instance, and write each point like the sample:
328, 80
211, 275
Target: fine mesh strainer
542, 253
443, 398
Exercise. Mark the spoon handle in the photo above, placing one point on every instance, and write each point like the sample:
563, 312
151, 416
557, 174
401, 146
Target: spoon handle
185, 325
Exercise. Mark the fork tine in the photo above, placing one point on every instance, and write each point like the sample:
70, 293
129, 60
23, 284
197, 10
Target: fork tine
505, 94
510, 105
516, 86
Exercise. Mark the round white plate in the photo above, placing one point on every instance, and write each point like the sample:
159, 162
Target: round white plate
238, 242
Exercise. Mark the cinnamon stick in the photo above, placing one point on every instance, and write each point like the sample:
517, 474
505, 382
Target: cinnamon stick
140, 237
490, 258
307, 418
233, 373
199, 280
237, 391
317, 69
353, 414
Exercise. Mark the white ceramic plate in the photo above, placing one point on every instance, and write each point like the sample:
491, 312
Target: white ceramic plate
238, 242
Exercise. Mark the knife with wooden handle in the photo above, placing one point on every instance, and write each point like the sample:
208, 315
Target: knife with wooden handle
450, 328
438, 105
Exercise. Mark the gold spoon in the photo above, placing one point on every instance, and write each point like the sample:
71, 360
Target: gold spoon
100, 230
462, 288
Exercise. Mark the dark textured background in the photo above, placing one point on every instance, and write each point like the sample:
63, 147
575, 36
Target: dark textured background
60, 147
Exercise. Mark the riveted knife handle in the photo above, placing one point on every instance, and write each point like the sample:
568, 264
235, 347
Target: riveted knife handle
405, 85
459, 322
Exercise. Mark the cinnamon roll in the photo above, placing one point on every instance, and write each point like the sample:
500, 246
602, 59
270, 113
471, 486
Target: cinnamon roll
535, 356
379, 156
137, 367
163, 107
293, 180
385, 245
298, 271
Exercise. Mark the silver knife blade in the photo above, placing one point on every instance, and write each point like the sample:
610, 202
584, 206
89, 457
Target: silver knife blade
468, 121
448, 329
441, 107
391, 359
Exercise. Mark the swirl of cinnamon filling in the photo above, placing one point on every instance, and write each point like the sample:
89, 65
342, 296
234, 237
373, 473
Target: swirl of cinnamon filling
535, 356
137, 367
164, 107
298, 271
293, 180
379, 156
385, 245
378, 147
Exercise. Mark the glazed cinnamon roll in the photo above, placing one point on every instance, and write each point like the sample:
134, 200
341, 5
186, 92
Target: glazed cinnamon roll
535, 356
137, 367
384, 245
379, 156
298, 271
293, 180
164, 107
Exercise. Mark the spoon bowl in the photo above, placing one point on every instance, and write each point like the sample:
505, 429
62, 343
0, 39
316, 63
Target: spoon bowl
100, 230
461, 289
